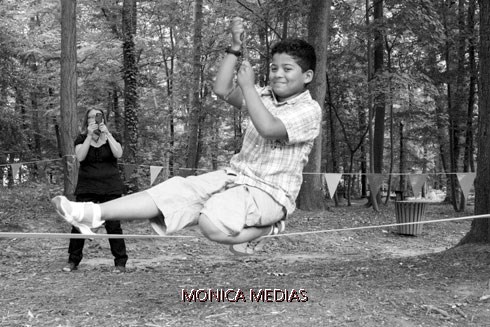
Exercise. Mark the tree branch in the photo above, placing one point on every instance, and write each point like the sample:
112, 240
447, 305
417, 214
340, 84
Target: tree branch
264, 21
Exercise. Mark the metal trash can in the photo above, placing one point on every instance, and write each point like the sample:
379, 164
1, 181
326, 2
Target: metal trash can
408, 212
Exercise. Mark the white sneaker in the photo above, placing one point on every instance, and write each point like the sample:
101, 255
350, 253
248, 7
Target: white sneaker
249, 248
73, 213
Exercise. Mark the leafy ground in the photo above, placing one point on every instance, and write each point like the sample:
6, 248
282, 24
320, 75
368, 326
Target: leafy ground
371, 277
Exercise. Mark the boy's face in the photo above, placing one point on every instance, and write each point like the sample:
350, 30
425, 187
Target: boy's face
286, 78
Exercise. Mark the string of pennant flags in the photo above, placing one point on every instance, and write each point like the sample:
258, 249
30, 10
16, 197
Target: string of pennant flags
332, 180
416, 181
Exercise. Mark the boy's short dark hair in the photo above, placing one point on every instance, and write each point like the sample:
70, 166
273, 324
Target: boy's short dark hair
302, 51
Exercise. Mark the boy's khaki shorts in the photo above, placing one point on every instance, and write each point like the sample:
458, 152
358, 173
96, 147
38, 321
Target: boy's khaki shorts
229, 206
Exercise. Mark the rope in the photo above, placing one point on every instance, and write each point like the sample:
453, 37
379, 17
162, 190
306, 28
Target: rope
244, 46
142, 236
245, 54
94, 236
30, 162
382, 226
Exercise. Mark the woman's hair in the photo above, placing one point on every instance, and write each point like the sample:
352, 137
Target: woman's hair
85, 119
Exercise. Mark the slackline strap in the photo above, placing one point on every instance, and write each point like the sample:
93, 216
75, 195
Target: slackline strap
382, 226
69, 235
137, 236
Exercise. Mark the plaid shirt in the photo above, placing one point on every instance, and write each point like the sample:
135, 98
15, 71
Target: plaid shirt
276, 166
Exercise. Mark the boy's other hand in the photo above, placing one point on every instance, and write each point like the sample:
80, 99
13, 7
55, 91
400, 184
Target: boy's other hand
237, 30
246, 75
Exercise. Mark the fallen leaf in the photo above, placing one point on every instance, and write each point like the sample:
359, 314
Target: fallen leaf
485, 297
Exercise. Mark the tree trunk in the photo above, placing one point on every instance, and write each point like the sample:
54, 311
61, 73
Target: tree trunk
311, 194
332, 155
368, 120
480, 228
130, 73
363, 126
377, 139
401, 167
34, 94
379, 100
392, 132
456, 110
20, 106
169, 65
68, 94
36, 128
469, 165
118, 119
195, 101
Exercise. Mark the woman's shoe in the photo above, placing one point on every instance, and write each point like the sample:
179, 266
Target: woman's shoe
119, 269
70, 267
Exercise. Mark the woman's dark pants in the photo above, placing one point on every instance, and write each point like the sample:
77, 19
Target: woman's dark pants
118, 246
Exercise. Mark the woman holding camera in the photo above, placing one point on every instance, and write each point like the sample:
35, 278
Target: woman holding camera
99, 181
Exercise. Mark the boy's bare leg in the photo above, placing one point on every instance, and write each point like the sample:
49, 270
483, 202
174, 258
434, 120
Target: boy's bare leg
134, 206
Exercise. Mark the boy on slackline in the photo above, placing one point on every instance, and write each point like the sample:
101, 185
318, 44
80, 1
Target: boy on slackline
250, 199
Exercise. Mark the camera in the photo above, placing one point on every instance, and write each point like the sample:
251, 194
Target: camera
98, 120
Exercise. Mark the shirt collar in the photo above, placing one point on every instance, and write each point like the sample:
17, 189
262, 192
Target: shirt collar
267, 91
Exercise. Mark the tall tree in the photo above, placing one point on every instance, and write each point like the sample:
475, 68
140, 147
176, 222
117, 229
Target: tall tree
369, 102
480, 228
68, 90
169, 65
195, 103
379, 98
130, 76
34, 61
311, 194
456, 102
469, 153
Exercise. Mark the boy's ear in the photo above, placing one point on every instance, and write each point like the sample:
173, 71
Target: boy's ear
308, 76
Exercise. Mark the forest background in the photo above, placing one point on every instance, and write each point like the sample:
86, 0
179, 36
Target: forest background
400, 83
405, 88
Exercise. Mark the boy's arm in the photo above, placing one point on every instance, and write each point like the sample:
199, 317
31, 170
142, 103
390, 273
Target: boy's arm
224, 86
268, 126
265, 123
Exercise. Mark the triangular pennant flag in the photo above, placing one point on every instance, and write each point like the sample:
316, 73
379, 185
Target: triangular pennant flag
465, 182
375, 181
41, 166
15, 169
129, 170
332, 181
154, 171
417, 181
41, 169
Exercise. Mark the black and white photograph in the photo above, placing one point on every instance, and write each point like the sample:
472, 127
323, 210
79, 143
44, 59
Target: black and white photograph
244, 163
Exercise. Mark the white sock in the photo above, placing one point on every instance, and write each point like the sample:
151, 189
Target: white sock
97, 215
75, 210
88, 213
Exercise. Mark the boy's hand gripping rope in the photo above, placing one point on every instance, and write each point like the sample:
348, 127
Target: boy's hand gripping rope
245, 56
243, 37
